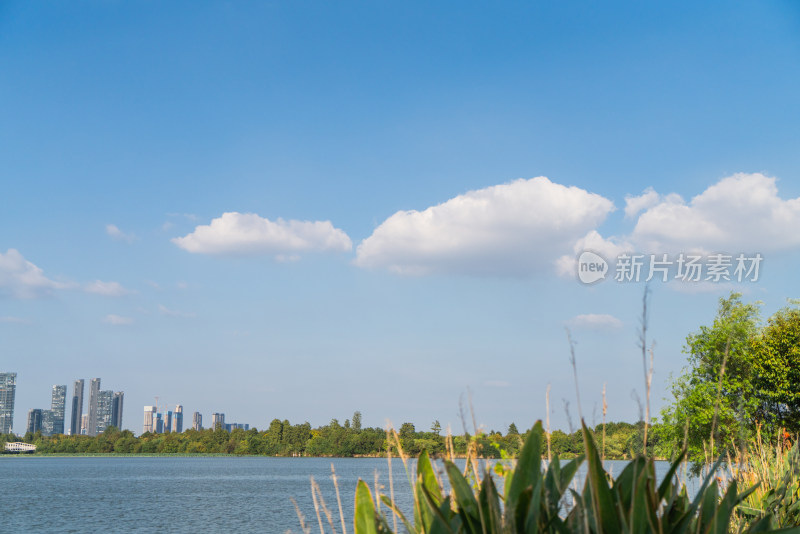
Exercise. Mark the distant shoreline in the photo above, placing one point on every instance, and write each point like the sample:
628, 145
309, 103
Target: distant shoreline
226, 455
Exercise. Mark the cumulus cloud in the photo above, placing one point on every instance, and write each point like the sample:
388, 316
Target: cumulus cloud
515, 228
247, 233
118, 235
741, 213
117, 320
635, 204
596, 321
20, 278
107, 289
607, 248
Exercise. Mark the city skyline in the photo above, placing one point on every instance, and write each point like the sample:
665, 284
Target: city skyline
106, 407
308, 209
107, 410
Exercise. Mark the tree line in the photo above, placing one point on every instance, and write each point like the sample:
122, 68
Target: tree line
281, 438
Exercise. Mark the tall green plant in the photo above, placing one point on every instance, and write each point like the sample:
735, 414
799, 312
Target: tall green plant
775, 472
533, 499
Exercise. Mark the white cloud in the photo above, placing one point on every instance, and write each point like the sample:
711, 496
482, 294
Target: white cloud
635, 204
117, 320
163, 310
118, 235
609, 249
595, 321
107, 289
247, 233
20, 278
510, 229
741, 213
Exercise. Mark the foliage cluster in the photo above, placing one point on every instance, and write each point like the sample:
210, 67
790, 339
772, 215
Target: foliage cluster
533, 499
622, 441
774, 472
742, 376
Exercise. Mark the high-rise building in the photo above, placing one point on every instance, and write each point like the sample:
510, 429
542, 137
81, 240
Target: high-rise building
177, 419
58, 406
77, 407
149, 419
48, 422
168, 422
217, 420
159, 426
92, 421
84, 424
8, 388
105, 408
197, 421
116, 409
34, 420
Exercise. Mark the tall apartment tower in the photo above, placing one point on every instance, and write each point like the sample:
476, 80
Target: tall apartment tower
149, 419
218, 421
197, 421
48, 422
92, 420
58, 407
34, 420
105, 407
168, 422
8, 388
177, 419
116, 409
77, 408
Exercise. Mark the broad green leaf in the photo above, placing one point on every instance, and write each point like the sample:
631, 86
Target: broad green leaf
602, 500
364, 522
489, 500
526, 474
426, 473
465, 500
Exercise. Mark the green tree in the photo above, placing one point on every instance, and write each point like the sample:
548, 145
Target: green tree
436, 427
777, 372
357, 421
715, 398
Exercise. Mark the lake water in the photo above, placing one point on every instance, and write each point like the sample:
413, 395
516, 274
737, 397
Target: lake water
184, 494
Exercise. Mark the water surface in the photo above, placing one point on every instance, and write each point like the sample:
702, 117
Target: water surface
184, 494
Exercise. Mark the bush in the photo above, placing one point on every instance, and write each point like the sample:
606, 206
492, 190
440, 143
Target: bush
536, 500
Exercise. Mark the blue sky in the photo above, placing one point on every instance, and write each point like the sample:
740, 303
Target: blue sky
303, 209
